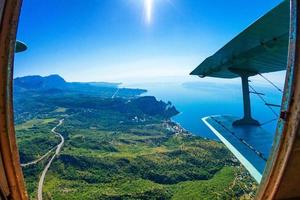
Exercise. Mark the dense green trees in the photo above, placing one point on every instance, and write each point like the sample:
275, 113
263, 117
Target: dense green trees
119, 148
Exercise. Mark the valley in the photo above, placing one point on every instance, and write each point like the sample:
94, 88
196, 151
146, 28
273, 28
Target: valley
125, 147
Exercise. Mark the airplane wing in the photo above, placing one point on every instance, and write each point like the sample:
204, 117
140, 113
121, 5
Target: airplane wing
251, 145
261, 48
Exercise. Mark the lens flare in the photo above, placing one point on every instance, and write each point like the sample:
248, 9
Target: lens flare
148, 10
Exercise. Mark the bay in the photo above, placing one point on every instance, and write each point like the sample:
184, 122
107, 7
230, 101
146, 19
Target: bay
195, 100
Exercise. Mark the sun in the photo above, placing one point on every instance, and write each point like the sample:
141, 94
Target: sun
148, 10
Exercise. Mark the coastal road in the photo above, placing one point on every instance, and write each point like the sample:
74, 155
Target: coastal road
58, 148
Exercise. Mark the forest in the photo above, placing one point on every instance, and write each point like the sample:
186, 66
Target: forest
119, 146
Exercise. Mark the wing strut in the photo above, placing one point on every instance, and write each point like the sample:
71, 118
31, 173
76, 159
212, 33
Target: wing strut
247, 119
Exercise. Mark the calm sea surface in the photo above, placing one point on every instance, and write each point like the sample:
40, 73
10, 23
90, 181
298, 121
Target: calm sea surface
198, 100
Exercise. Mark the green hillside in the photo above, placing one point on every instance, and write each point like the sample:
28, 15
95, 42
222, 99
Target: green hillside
121, 148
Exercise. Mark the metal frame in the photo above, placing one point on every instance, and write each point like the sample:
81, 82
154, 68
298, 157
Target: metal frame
11, 177
281, 178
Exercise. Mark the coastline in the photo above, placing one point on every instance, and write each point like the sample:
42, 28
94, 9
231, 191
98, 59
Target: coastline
177, 128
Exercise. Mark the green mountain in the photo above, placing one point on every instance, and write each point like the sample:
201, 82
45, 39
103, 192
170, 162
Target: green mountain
56, 84
39, 82
118, 145
55, 81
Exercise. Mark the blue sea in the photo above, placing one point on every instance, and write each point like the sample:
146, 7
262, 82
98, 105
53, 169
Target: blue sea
195, 100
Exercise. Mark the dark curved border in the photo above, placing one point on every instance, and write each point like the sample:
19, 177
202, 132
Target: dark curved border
282, 176
281, 179
12, 183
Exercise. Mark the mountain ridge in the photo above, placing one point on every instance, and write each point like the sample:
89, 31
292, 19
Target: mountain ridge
55, 81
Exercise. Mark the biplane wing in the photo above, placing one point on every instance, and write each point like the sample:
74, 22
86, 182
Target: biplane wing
260, 48
251, 145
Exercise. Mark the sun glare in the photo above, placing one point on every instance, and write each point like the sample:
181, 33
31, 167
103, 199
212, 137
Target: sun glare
148, 10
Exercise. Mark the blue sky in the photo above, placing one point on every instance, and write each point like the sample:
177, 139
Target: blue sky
112, 40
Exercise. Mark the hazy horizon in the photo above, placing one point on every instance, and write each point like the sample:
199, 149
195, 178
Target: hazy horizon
277, 78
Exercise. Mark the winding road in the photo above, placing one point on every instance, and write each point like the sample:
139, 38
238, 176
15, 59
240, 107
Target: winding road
58, 149
39, 159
